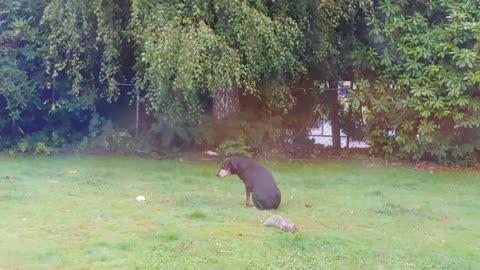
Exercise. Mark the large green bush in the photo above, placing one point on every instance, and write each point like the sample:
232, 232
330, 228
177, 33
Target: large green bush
23, 84
422, 67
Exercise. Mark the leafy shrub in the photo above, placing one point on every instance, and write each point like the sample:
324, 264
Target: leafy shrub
23, 146
113, 141
179, 134
83, 145
118, 141
31, 146
240, 133
97, 125
42, 148
423, 82
234, 148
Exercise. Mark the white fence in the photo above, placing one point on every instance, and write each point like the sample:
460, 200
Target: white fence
323, 135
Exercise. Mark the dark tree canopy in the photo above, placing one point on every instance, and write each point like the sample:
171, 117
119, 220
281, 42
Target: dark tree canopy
67, 66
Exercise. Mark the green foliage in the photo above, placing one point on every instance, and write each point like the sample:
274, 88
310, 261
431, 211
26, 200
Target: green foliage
112, 141
60, 58
80, 33
176, 134
191, 48
31, 146
426, 60
278, 96
240, 133
23, 146
42, 148
21, 68
419, 65
97, 125
234, 148
51, 110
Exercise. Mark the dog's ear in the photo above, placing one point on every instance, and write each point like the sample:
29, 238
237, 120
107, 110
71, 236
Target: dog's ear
228, 165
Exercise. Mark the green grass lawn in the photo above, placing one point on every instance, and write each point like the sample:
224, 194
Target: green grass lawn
80, 213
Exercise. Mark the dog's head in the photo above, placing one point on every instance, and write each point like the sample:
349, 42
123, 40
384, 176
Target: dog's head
227, 168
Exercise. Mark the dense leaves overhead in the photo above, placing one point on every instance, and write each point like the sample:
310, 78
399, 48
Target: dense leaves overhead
84, 40
191, 47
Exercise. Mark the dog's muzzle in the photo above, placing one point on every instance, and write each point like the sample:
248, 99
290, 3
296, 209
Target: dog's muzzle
223, 173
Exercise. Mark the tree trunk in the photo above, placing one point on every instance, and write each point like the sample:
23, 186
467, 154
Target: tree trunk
349, 119
225, 102
349, 123
334, 117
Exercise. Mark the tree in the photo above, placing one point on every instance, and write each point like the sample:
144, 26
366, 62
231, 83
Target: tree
22, 82
423, 73
84, 45
207, 47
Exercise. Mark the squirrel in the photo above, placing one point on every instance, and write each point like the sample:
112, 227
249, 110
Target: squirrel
283, 223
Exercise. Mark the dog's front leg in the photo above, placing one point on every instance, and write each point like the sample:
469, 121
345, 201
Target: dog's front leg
248, 191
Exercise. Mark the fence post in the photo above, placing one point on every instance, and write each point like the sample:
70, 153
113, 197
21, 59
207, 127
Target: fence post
137, 116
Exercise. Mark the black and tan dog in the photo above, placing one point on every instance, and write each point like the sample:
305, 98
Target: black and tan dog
257, 179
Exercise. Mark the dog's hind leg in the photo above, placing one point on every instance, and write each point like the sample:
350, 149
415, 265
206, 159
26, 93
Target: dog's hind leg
259, 204
278, 200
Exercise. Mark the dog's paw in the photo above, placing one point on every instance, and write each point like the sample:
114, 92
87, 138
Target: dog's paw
247, 205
